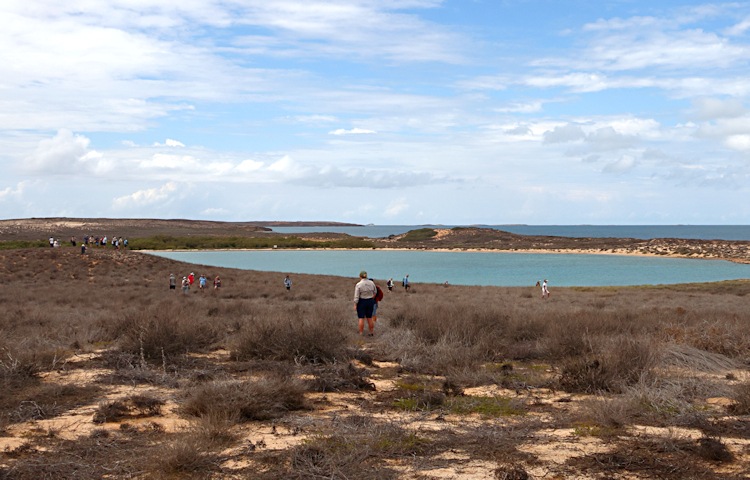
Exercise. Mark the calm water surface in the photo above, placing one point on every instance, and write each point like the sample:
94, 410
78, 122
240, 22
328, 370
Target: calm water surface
475, 268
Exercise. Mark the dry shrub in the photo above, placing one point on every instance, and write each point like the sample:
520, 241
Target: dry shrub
213, 429
692, 358
183, 457
338, 377
610, 414
669, 400
612, 365
317, 336
354, 450
723, 333
166, 330
261, 399
448, 355
36, 400
511, 472
135, 406
741, 396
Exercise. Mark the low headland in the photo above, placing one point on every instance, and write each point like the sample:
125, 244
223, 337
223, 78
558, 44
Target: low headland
106, 372
199, 234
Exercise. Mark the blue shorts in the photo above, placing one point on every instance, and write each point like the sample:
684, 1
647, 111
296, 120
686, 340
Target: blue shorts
375, 309
364, 307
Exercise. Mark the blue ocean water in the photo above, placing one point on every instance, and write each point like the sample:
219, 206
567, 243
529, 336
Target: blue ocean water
644, 232
475, 268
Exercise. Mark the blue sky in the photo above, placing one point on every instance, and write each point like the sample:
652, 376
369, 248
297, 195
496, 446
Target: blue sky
386, 112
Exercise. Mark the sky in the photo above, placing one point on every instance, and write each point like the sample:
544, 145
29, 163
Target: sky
389, 112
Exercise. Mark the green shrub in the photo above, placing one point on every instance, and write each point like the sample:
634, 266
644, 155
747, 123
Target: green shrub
418, 235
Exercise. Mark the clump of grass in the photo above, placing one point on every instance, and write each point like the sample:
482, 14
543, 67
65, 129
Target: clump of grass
261, 399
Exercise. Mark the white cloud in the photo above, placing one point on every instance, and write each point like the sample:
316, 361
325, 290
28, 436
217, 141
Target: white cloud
12, 192
65, 153
739, 28
396, 206
352, 131
144, 198
169, 143
714, 108
564, 133
739, 142
624, 164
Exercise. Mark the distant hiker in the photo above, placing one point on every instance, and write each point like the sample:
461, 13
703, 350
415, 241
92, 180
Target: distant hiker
185, 285
191, 278
202, 282
172, 281
364, 300
83, 249
125, 243
389, 284
217, 283
545, 290
51, 242
405, 283
73, 241
288, 282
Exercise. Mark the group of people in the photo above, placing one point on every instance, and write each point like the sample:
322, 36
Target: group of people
91, 240
404, 283
189, 280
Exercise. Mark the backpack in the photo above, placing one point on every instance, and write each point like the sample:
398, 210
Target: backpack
379, 294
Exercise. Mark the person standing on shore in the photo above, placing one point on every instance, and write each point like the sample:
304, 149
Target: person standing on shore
288, 282
405, 283
172, 281
389, 284
202, 282
185, 285
545, 290
364, 300
217, 283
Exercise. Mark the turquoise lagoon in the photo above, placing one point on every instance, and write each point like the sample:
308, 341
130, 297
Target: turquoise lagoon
475, 268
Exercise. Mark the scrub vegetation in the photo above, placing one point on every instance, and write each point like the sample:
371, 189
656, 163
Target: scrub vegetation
106, 373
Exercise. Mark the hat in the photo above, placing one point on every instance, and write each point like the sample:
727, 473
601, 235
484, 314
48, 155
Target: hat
362, 274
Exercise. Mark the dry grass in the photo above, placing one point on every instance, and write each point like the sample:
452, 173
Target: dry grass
253, 356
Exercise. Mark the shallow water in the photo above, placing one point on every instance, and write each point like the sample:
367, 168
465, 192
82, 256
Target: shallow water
475, 268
